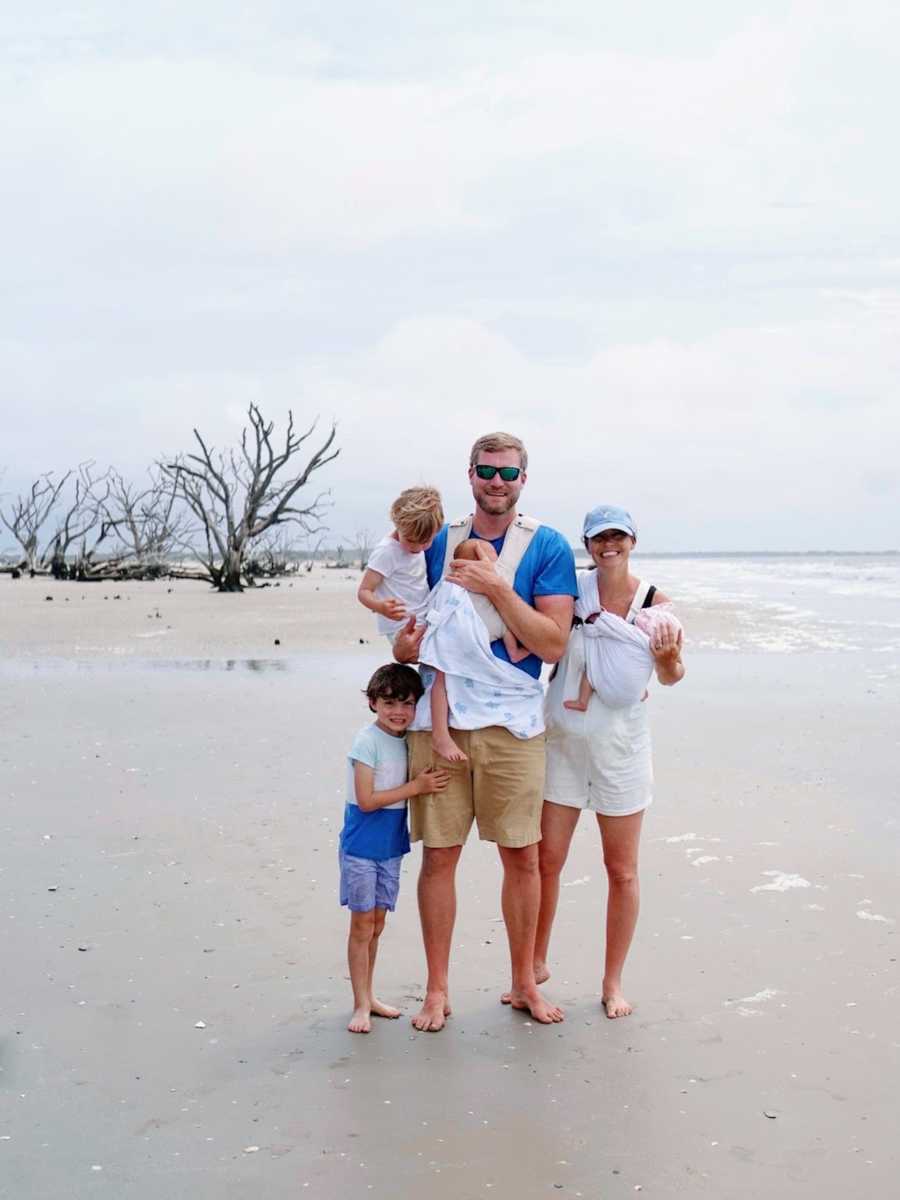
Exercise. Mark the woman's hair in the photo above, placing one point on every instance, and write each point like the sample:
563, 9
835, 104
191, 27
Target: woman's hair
417, 513
394, 681
490, 443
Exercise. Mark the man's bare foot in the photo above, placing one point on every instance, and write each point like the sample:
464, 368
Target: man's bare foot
541, 975
433, 1014
359, 1022
575, 705
384, 1010
615, 1004
531, 1000
447, 748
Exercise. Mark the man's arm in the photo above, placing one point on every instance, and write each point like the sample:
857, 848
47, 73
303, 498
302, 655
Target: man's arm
544, 629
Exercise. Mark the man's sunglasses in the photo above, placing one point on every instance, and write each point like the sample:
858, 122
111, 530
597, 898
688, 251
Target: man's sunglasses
507, 474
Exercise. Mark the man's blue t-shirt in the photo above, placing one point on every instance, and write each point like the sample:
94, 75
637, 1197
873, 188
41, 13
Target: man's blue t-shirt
547, 569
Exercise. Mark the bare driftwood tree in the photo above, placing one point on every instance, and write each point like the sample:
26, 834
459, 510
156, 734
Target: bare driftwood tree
150, 522
27, 513
236, 496
273, 553
364, 538
83, 524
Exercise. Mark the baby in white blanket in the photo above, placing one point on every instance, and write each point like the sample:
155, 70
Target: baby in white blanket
618, 657
483, 672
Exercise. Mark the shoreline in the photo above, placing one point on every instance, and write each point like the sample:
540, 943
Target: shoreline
180, 823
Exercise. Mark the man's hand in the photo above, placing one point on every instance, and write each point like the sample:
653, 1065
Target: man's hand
408, 641
431, 779
394, 609
480, 577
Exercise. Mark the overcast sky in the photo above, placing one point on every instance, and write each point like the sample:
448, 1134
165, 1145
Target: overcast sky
659, 242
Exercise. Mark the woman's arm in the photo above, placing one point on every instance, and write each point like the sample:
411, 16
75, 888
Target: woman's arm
666, 650
428, 780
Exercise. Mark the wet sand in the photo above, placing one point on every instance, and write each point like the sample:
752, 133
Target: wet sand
175, 999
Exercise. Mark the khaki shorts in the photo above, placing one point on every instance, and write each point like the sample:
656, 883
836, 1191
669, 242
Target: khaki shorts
501, 786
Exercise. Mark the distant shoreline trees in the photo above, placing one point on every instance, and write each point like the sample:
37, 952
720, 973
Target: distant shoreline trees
228, 510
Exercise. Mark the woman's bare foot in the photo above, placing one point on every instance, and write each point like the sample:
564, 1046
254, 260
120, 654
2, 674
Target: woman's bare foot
615, 1004
575, 705
541, 975
384, 1010
447, 748
432, 1016
359, 1022
530, 1000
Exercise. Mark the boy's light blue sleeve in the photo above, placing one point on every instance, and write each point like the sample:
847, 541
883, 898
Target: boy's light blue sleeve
365, 748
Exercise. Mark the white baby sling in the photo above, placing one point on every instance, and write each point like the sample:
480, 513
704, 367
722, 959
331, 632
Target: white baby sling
617, 657
482, 690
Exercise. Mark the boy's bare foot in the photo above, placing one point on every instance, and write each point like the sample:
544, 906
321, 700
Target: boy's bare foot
541, 975
384, 1010
615, 1004
575, 705
530, 1000
433, 1014
447, 748
359, 1022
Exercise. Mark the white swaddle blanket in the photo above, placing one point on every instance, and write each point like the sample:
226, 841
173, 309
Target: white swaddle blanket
617, 656
482, 690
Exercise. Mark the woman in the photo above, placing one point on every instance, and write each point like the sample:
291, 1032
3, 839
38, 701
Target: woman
600, 759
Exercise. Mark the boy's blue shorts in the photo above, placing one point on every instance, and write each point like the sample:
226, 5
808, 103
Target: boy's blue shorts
368, 883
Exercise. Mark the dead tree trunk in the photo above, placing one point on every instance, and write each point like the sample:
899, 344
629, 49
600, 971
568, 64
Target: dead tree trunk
236, 497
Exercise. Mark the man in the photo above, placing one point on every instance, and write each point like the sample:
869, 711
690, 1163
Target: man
501, 783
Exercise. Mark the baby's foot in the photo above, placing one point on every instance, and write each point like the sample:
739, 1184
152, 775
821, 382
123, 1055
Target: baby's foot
575, 705
384, 1010
359, 1022
445, 747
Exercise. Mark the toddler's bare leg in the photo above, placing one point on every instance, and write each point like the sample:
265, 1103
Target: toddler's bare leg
441, 740
584, 695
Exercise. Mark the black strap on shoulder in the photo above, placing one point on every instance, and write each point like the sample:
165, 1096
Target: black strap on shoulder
648, 599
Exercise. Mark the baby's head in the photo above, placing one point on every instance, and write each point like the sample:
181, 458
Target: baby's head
418, 516
476, 550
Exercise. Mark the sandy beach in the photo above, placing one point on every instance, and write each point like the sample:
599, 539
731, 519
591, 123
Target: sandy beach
175, 999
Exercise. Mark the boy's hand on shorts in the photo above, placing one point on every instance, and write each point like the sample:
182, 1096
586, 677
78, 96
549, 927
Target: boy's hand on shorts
431, 779
394, 610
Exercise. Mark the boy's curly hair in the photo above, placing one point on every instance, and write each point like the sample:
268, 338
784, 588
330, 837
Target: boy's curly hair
394, 681
418, 514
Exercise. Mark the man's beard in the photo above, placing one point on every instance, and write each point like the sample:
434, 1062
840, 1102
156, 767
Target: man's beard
502, 505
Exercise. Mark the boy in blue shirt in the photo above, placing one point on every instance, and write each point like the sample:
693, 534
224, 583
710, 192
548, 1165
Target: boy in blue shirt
374, 837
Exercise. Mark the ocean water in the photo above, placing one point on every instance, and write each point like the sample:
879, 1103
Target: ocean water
784, 603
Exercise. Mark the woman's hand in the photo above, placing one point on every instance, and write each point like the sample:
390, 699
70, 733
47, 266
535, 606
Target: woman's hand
666, 651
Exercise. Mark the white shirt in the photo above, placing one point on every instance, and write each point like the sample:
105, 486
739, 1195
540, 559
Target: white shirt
403, 579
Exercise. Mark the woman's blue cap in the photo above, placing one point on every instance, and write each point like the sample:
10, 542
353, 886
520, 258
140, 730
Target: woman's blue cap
608, 516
